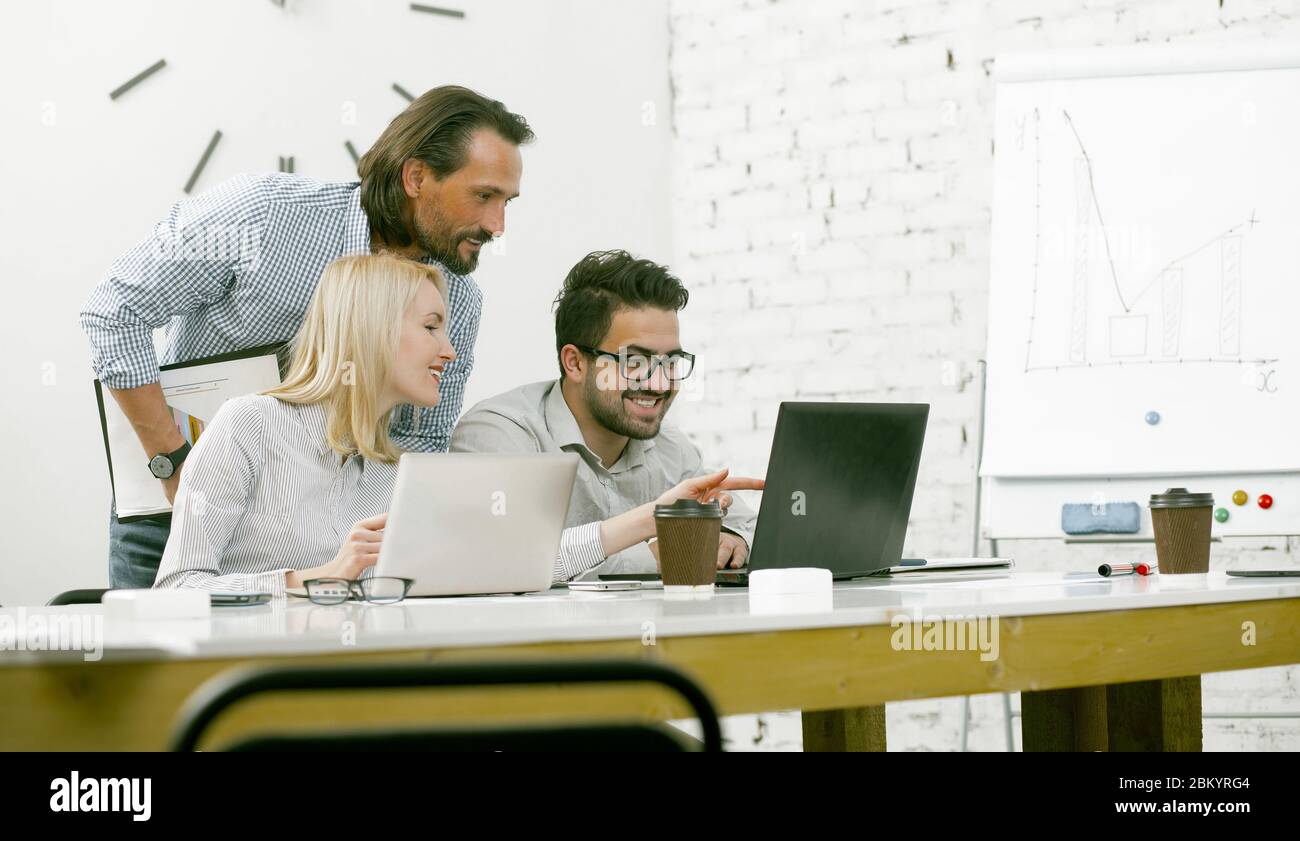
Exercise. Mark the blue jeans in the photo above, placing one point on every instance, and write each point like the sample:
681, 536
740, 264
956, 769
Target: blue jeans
135, 549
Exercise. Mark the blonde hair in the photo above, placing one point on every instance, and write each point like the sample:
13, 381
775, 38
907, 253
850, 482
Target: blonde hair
343, 354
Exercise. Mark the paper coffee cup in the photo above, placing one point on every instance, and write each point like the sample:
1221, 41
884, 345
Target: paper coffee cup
688, 534
1181, 522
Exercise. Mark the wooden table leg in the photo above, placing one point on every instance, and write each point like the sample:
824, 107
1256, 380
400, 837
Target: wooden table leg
1063, 719
1147, 716
855, 729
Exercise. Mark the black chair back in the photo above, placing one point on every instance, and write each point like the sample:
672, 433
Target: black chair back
211, 699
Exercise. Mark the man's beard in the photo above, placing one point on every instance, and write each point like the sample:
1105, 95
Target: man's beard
615, 420
441, 243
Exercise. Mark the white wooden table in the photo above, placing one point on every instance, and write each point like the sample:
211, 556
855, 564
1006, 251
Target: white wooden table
1104, 663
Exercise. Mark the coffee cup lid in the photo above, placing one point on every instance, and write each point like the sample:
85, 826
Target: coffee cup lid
1180, 498
689, 508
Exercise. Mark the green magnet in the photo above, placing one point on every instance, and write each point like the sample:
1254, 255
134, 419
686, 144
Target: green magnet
1221, 514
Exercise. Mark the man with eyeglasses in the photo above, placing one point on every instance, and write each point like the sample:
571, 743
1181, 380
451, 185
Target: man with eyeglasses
621, 365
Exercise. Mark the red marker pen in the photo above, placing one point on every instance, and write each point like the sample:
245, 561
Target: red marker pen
1146, 569
1107, 570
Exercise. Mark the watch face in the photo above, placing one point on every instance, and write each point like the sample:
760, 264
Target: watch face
161, 466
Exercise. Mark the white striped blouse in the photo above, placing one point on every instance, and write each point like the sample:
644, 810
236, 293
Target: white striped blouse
261, 494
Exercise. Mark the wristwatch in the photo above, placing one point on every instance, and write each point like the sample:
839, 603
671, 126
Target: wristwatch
164, 465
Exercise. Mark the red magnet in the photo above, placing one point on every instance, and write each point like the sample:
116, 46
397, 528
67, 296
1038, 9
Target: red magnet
1265, 501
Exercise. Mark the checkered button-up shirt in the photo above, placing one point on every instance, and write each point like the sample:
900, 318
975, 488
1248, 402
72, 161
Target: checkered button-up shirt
235, 268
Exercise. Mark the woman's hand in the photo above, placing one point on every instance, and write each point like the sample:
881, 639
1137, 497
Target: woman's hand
359, 552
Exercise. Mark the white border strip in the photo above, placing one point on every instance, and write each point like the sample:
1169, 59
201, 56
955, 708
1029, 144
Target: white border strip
1145, 60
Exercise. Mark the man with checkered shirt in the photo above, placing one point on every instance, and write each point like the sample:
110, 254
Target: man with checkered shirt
434, 188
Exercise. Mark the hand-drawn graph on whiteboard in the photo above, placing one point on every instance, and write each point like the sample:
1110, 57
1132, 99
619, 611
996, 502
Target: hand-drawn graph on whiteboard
1145, 263
1186, 311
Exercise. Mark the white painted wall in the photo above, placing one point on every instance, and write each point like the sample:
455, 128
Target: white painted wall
83, 178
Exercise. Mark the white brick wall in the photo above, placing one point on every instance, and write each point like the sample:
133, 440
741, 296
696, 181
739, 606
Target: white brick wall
832, 174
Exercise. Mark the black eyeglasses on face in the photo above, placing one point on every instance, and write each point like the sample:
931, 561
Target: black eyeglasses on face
640, 367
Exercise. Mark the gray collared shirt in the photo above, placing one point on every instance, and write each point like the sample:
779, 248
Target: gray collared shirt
535, 419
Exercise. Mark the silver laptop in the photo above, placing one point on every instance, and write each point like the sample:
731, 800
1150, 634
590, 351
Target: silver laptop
471, 523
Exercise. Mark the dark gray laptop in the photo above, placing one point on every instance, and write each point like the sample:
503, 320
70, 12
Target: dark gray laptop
838, 490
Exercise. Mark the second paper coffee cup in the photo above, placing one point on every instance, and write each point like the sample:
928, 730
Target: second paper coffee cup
688, 534
1181, 522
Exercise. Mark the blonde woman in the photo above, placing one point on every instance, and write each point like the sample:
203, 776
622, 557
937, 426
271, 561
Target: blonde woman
295, 483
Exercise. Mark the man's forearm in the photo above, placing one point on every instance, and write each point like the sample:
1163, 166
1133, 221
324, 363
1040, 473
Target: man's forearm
627, 529
146, 409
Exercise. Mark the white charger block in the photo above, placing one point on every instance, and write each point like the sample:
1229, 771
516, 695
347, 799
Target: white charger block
789, 582
776, 603
797, 590
153, 605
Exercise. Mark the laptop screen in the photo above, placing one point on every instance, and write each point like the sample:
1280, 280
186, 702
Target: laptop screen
839, 486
